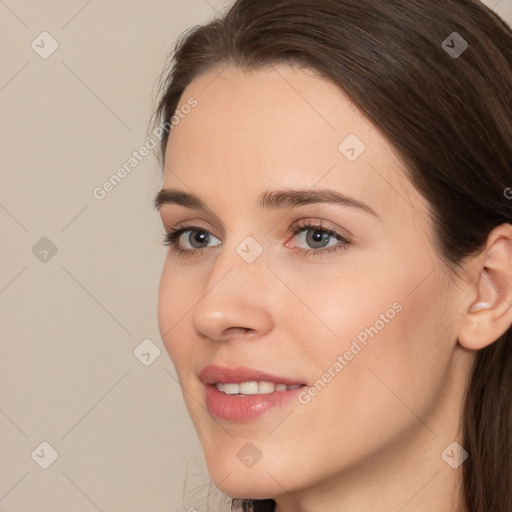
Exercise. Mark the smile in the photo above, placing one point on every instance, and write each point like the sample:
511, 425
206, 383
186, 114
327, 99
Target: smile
243, 394
253, 387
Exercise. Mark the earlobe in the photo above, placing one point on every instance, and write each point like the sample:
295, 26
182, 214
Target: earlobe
489, 315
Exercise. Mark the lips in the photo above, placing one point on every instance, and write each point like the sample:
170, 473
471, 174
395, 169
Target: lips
235, 407
213, 374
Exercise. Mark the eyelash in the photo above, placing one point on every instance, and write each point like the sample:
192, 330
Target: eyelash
171, 239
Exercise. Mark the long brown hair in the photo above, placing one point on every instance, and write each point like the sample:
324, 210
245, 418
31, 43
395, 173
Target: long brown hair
445, 107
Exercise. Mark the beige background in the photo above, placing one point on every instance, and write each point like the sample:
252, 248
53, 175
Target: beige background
70, 321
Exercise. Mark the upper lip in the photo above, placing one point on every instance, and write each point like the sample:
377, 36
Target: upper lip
213, 374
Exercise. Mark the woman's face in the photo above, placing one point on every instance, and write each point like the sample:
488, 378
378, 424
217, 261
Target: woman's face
310, 262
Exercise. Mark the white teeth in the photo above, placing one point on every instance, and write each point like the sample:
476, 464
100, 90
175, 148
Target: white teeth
252, 387
231, 389
249, 388
265, 387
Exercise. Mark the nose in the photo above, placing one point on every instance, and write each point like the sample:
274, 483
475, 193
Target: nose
235, 301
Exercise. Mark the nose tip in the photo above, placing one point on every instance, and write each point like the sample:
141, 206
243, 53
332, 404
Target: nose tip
220, 318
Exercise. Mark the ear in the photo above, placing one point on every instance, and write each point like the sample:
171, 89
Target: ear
488, 313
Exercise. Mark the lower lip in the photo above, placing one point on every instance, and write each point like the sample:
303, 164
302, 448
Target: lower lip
243, 408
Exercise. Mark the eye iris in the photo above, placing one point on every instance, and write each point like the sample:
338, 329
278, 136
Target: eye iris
317, 236
197, 239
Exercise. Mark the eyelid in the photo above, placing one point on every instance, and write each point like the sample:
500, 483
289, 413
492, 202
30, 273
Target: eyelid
193, 224
318, 223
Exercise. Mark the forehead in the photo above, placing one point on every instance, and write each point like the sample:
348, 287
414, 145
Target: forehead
281, 127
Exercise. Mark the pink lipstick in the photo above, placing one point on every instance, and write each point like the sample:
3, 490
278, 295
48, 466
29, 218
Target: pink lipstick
243, 394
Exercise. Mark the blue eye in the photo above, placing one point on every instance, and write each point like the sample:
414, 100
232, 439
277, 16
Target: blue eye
197, 238
189, 241
318, 238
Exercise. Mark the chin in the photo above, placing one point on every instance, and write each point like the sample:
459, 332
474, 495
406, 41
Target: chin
237, 481
249, 488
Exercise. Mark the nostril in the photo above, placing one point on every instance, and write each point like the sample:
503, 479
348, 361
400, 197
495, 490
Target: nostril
245, 332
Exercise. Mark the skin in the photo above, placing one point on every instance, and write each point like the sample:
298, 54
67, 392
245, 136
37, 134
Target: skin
372, 439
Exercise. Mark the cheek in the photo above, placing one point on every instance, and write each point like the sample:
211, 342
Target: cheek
389, 341
175, 299
390, 357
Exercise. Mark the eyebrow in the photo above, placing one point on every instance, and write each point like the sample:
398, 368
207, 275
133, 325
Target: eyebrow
269, 200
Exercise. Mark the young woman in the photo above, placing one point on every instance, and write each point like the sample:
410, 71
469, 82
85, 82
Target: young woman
337, 294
